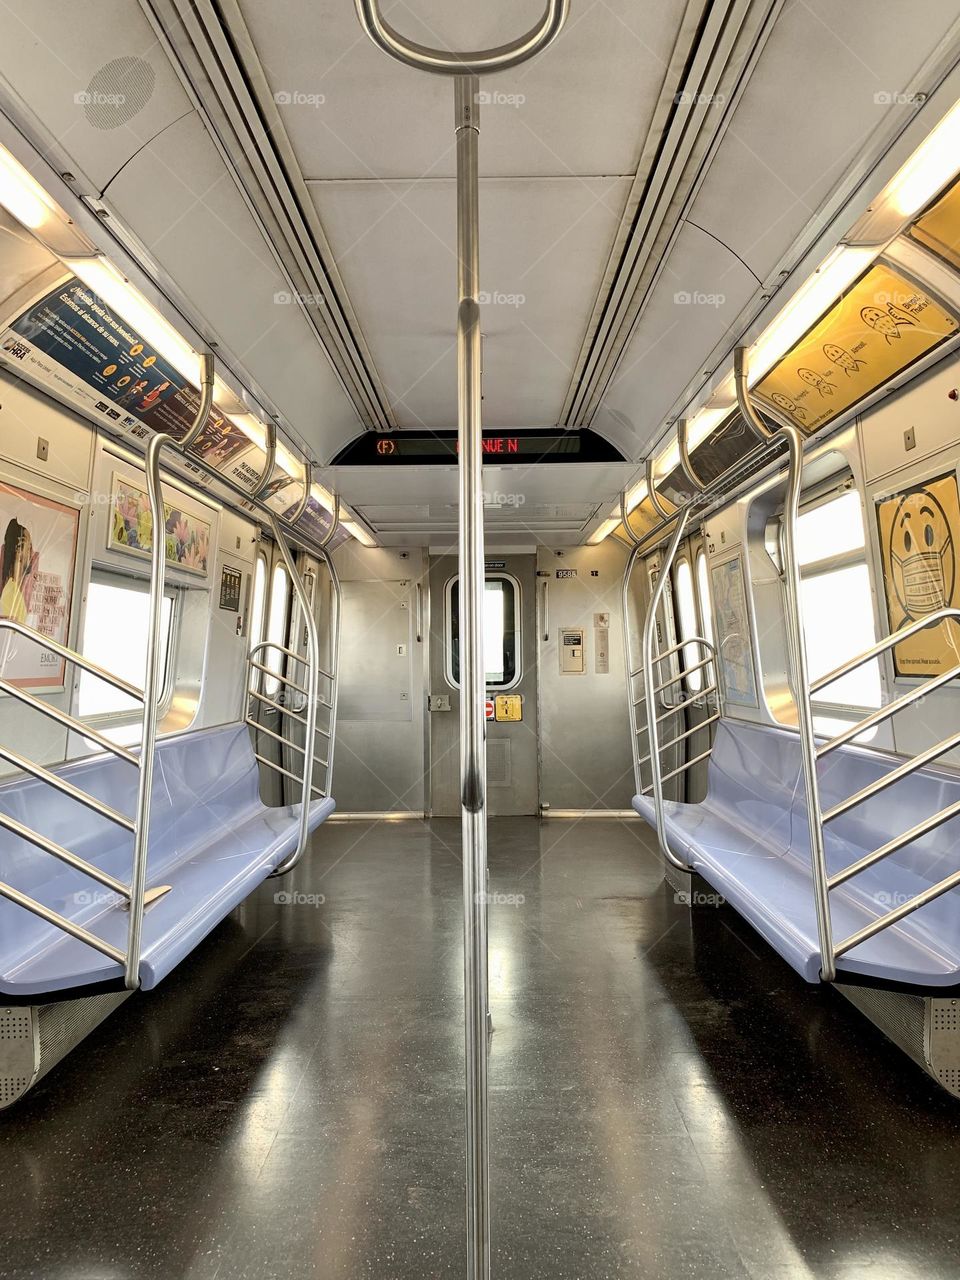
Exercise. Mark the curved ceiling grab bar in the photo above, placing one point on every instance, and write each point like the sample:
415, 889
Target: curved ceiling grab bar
479, 62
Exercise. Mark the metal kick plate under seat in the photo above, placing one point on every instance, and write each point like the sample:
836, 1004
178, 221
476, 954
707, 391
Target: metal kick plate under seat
943, 1042
19, 1053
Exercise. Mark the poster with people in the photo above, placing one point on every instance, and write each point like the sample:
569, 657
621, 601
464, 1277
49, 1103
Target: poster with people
38, 551
919, 528
732, 626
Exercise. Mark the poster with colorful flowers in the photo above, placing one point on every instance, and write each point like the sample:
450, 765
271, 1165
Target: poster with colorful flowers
131, 528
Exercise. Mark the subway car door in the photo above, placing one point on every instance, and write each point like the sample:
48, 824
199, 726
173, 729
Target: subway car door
510, 650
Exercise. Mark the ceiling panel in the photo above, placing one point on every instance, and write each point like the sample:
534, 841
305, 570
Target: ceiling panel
829, 76
700, 293
543, 247
95, 76
190, 215
583, 107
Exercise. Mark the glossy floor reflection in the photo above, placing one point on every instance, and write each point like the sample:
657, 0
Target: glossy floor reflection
667, 1098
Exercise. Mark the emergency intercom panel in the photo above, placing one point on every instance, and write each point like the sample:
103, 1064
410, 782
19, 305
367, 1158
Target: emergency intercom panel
571, 651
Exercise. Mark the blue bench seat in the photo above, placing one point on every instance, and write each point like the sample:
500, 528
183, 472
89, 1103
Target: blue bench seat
749, 841
212, 841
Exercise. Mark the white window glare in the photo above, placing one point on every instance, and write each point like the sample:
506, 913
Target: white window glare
688, 620
833, 528
276, 627
115, 635
258, 602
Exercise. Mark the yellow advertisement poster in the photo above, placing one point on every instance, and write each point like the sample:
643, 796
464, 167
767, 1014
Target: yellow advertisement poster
876, 331
939, 228
919, 534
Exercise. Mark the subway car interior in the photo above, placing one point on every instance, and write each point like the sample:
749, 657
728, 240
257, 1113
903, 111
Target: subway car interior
479, 639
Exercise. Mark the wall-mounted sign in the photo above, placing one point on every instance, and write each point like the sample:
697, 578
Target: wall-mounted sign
439, 448
508, 707
566, 573
38, 549
230, 583
881, 327
131, 528
732, 625
919, 536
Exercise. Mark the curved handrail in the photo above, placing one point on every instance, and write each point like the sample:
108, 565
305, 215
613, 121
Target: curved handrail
797, 649
472, 62
658, 506
653, 733
151, 681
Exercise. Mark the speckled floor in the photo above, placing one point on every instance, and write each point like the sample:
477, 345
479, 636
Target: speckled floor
667, 1098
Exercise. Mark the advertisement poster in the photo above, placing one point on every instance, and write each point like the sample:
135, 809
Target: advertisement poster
73, 343
732, 626
315, 523
131, 528
38, 552
880, 327
919, 530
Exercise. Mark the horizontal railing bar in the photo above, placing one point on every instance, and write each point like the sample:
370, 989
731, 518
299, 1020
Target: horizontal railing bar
898, 842
291, 653
278, 706
891, 709
255, 724
70, 655
52, 917
704, 644
58, 851
68, 722
658, 688
286, 772
66, 788
291, 684
896, 775
892, 917
687, 733
705, 755
888, 642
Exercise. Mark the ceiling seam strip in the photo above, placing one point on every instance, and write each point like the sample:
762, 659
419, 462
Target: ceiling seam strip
647, 261
930, 75
343, 363
310, 237
689, 37
637, 299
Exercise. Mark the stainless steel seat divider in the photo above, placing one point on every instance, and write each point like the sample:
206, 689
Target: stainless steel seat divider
465, 68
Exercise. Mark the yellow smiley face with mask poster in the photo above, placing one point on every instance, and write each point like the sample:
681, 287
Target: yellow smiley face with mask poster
922, 555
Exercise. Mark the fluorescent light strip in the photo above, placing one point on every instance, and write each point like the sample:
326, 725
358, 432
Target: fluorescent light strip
129, 303
934, 163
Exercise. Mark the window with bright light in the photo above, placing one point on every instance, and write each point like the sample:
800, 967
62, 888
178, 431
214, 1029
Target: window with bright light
501, 631
258, 606
276, 627
837, 602
689, 624
115, 633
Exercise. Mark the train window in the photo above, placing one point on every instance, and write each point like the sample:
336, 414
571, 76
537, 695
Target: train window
258, 602
706, 609
501, 631
276, 626
837, 602
689, 624
121, 648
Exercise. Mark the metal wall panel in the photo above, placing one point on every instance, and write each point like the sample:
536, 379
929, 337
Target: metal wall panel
585, 737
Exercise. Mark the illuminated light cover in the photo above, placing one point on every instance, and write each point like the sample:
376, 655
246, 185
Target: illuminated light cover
875, 332
124, 298
289, 463
603, 530
934, 163
831, 279
357, 531
21, 195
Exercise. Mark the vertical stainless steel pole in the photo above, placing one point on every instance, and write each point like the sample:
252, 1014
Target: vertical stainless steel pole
472, 679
